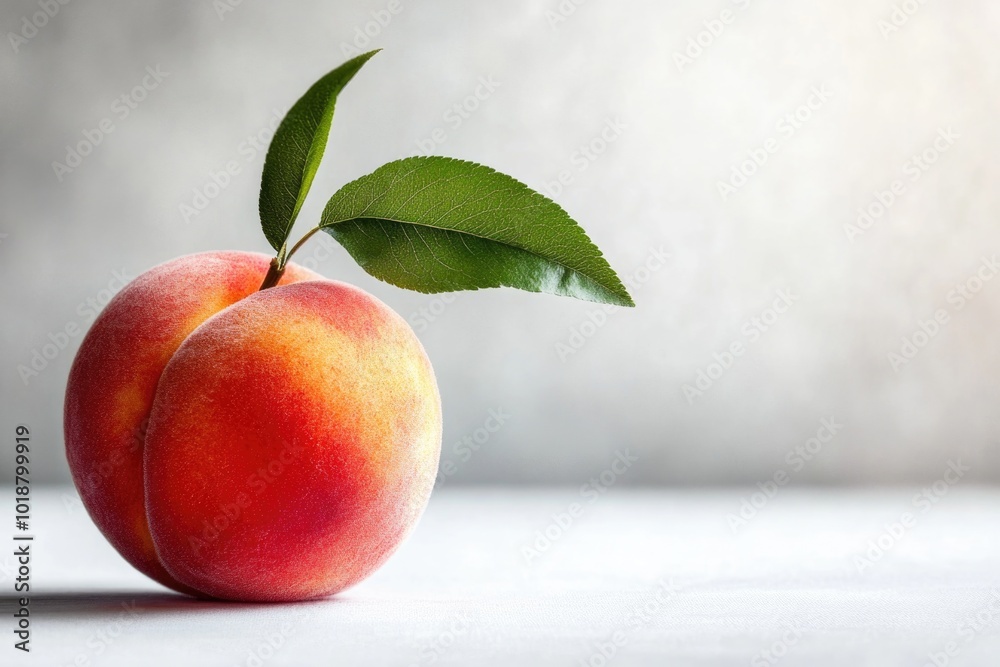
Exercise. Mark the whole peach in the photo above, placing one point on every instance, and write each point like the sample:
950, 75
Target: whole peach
146, 485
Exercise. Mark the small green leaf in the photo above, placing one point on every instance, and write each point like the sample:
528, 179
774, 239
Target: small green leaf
296, 150
435, 224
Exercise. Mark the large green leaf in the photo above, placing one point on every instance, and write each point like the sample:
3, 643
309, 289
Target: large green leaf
296, 150
435, 224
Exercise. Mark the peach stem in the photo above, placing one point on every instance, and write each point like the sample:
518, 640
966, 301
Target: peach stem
273, 275
277, 267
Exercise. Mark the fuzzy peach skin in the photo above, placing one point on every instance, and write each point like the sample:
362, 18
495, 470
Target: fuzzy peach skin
114, 377
293, 444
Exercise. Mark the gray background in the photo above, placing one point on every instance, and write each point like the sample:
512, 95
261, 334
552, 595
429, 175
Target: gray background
655, 187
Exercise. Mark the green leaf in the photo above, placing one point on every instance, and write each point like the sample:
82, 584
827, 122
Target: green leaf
296, 150
435, 224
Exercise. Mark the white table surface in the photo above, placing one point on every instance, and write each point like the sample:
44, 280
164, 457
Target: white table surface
786, 589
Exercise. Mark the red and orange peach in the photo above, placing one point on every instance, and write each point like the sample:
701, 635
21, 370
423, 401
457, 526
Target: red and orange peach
251, 445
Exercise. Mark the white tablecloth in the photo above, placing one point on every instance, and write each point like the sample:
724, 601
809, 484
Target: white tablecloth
644, 577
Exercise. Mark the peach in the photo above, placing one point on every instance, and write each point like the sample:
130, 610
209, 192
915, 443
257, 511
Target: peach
251, 445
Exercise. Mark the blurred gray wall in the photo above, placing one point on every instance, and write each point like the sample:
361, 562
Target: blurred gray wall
839, 97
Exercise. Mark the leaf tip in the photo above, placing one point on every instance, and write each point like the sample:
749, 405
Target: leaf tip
618, 297
365, 57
